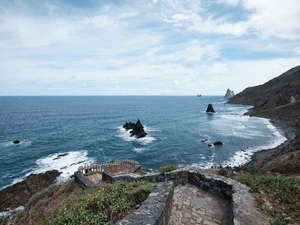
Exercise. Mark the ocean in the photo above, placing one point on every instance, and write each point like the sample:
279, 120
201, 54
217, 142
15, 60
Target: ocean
89, 129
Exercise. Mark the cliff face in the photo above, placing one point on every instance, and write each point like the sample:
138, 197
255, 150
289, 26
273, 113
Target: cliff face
273, 100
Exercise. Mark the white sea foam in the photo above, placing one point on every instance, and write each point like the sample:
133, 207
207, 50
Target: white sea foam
241, 157
139, 150
125, 135
67, 164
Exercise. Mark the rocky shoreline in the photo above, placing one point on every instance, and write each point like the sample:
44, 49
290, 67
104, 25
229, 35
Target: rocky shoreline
279, 101
259, 158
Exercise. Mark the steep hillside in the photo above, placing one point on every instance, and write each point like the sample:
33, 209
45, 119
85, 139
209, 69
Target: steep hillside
273, 100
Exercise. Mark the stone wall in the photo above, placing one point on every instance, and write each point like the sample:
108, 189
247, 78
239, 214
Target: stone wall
242, 200
155, 209
82, 181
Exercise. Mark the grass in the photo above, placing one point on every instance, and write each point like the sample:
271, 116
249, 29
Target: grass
168, 168
140, 172
278, 196
98, 205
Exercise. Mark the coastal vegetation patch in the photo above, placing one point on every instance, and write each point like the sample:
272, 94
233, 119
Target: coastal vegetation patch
97, 205
277, 196
168, 168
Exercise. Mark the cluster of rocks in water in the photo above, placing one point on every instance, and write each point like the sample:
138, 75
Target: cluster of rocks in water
137, 129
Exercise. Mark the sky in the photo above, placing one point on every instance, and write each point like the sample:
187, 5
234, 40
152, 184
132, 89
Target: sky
145, 47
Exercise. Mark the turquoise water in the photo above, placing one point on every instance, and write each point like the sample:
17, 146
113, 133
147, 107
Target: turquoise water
90, 130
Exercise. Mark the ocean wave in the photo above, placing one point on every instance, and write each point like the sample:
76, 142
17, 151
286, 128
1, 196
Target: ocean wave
66, 162
244, 156
139, 150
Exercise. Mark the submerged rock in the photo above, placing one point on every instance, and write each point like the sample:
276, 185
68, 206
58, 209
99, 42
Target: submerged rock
210, 109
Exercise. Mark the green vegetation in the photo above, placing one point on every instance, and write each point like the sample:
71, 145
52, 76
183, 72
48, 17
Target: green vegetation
223, 172
97, 205
141, 172
168, 168
278, 196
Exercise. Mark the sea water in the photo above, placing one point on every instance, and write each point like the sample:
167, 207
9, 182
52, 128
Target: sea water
90, 130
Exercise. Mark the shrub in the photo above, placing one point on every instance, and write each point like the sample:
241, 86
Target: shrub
282, 193
102, 205
223, 172
168, 168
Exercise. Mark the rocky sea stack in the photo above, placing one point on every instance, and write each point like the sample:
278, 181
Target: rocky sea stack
210, 109
278, 100
137, 129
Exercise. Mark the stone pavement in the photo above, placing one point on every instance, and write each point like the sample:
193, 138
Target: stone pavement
192, 205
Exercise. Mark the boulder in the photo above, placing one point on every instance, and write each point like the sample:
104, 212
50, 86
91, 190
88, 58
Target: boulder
218, 143
137, 129
16, 142
229, 94
210, 109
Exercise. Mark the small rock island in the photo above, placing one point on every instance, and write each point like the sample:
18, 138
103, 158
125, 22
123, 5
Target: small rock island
137, 129
210, 109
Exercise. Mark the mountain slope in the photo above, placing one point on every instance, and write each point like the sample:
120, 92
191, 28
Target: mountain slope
272, 100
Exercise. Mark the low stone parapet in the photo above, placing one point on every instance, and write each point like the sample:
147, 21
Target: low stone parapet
155, 209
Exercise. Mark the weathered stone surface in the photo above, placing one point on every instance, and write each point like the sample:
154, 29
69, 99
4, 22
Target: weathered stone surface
156, 209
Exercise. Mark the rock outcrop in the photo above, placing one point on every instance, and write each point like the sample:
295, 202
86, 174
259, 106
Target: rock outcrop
137, 129
210, 109
218, 143
229, 94
16, 142
20, 193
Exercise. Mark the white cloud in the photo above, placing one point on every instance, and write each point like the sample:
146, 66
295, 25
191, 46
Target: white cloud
275, 17
148, 47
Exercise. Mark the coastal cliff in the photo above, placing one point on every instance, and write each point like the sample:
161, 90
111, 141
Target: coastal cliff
278, 100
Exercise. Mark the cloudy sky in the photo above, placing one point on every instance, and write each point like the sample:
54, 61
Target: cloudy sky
145, 47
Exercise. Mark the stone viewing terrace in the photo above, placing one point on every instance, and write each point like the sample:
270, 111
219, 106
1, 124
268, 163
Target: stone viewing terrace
189, 196
94, 172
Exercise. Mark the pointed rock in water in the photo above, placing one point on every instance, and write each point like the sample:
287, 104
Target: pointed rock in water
16, 142
137, 129
210, 109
